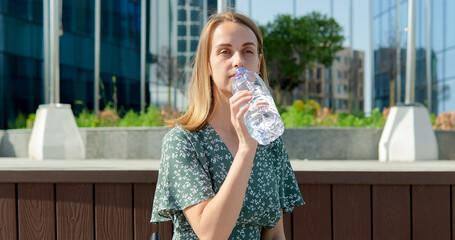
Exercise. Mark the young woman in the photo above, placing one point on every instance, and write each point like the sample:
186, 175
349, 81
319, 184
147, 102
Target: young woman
215, 181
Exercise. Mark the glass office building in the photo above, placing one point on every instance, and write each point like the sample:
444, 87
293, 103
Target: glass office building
434, 82
172, 30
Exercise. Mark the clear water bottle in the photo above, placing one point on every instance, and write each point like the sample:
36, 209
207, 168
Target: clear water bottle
262, 118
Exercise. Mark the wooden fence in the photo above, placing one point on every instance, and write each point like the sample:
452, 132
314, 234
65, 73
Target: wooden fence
92, 204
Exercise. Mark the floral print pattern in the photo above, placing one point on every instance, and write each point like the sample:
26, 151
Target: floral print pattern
193, 167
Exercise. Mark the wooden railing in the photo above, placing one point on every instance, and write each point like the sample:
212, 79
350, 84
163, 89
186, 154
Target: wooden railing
113, 200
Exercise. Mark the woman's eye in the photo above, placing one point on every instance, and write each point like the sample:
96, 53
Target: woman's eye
249, 51
224, 52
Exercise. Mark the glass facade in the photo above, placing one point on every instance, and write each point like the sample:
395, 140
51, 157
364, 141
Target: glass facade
22, 59
442, 53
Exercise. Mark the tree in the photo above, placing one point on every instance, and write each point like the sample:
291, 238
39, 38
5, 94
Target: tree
293, 45
167, 69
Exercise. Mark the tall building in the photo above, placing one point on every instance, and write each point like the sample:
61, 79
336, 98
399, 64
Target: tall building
171, 35
339, 87
435, 45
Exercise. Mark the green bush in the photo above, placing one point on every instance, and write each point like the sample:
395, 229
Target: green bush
309, 113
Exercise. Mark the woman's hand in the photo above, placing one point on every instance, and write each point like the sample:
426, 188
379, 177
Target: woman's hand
237, 113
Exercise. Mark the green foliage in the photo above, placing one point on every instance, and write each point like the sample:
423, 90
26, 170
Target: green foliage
30, 120
309, 113
432, 118
86, 119
292, 45
152, 117
110, 118
20, 121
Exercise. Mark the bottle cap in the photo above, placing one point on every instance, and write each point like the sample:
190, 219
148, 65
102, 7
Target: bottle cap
239, 70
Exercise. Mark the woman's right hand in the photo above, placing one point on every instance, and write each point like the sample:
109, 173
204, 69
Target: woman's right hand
237, 113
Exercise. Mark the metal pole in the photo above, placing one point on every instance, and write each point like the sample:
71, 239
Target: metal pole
46, 51
221, 5
56, 50
352, 85
410, 53
398, 53
143, 39
428, 54
250, 10
52, 29
204, 9
96, 87
294, 9
372, 54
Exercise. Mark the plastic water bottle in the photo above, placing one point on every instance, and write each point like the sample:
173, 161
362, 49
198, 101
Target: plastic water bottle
262, 118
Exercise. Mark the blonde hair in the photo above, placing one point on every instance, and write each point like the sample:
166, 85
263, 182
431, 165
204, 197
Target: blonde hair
200, 92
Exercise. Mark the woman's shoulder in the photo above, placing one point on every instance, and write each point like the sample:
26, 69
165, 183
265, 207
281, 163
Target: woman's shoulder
180, 134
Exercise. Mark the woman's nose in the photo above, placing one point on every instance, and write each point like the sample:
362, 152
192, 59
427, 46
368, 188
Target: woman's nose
237, 62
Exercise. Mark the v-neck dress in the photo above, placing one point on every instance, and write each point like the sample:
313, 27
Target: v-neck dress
193, 167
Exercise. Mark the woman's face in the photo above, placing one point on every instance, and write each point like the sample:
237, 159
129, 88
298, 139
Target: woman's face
234, 45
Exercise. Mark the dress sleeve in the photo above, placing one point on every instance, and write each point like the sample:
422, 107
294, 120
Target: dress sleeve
290, 195
183, 179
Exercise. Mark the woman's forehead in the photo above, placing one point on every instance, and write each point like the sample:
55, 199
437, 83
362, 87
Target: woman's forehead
233, 33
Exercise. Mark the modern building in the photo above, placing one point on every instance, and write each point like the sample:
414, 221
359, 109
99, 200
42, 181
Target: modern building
167, 42
339, 87
435, 53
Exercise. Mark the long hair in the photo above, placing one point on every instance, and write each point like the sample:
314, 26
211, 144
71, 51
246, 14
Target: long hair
200, 91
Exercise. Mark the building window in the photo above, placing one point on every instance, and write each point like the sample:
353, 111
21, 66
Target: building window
337, 103
345, 60
328, 73
345, 104
181, 46
327, 88
327, 103
345, 75
194, 45
195, 16
345, 89
338, 88
338, 58
182, 15
195, 30
338, 74
181, 30
318, 73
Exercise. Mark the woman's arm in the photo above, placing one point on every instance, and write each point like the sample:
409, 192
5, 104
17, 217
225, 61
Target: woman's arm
276, 233
216, 217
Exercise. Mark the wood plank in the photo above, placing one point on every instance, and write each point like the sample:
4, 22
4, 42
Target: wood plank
375, 177
453, 211
431, 212
313, 221
74, 210
351, 212
287, 224
391, 212
8, 226
113, 212
78, 176
36, 211
143, 204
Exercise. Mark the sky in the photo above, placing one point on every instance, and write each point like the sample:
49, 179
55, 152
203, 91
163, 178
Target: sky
264, 11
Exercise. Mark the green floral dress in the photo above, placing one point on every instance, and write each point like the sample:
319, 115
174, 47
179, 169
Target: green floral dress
193, 167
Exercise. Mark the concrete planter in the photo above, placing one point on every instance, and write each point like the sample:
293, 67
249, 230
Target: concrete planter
312, 143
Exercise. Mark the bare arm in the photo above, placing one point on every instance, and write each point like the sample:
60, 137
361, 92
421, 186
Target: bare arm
216, 217
276, 233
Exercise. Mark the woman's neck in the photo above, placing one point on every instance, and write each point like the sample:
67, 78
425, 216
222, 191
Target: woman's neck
220, 119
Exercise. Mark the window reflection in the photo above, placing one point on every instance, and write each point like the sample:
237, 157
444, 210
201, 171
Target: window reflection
450, 19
